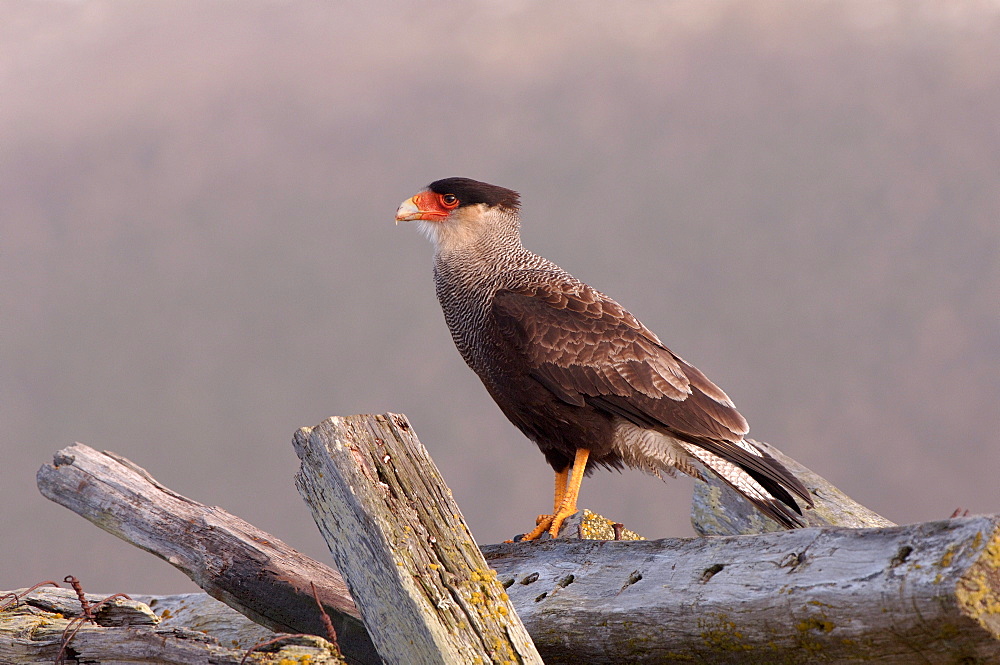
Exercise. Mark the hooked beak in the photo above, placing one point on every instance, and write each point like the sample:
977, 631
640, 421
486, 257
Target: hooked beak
408, 211
421, 206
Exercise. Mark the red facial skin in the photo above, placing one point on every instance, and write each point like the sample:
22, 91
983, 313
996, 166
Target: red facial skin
429, 206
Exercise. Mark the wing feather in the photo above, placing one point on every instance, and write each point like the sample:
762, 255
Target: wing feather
581, 344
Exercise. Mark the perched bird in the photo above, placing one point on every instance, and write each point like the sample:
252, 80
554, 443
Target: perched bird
575, 371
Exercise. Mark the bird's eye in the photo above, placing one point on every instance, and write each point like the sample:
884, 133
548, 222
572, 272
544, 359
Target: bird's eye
449, 200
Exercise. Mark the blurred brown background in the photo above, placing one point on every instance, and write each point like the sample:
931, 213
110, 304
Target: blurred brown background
197, 252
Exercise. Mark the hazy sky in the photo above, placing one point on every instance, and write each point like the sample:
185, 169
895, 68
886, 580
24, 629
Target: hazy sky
197, 253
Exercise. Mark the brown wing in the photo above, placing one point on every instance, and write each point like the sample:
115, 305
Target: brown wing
588, 350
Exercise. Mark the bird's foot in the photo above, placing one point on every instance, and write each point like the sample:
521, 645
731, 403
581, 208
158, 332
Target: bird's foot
542, 524
559, 518
550, 523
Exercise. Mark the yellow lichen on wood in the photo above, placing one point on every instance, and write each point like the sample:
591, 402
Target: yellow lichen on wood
719, 633
815, 623
978, 592
598, 527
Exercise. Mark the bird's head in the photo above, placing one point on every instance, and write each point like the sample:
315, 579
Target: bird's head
456, 211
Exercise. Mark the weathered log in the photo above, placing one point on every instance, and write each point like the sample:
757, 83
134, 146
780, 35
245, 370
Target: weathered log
33, 631
930, 592
201, 612
237, 563
398, 537
927, 593
719, 510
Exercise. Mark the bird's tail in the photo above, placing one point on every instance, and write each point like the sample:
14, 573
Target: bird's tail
765, 482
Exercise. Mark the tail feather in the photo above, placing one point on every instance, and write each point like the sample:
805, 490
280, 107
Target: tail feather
769, 496
763, 480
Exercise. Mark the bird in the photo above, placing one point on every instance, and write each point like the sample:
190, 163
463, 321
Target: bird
575, 371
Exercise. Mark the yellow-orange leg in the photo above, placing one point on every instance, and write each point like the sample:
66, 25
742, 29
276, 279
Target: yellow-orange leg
543, 522
568, 506
567, 489
562, 477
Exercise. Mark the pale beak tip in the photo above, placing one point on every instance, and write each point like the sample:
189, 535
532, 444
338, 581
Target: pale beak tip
407, 211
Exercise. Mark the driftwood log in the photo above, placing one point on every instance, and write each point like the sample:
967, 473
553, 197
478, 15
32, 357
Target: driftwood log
925, 593
419, 579
46, 625
202, 613
922, 593
248, 569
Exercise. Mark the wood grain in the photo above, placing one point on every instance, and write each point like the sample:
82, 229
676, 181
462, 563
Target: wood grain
399, 538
